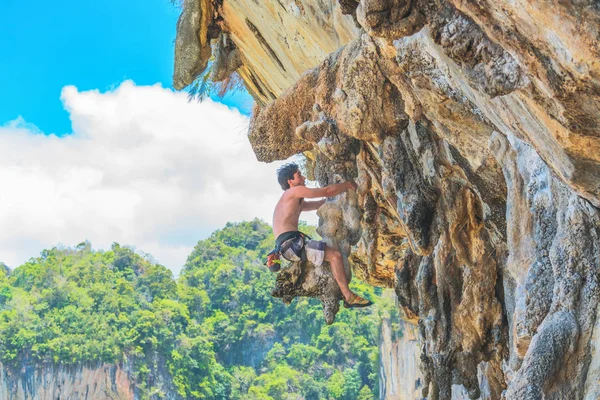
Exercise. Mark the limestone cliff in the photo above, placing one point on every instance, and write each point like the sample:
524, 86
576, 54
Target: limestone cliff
52, 382
82, 381
400, 376
472, 128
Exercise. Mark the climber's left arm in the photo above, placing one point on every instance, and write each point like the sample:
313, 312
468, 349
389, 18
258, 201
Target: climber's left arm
311, 205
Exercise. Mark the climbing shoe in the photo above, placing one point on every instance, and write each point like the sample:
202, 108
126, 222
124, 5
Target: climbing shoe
357, 302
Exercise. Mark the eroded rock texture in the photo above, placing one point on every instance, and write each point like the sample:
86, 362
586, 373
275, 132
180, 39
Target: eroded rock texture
51, 382
472, 130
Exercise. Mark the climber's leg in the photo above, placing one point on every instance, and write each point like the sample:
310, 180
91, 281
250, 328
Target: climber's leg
337, 269
351, 300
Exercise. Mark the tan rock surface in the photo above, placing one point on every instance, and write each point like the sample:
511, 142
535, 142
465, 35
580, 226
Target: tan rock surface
277, 40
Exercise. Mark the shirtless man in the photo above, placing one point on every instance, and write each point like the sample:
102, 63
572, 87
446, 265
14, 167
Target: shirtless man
289, 240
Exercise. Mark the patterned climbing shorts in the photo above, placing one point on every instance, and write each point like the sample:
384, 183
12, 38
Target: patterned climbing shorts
315, 252
291, 250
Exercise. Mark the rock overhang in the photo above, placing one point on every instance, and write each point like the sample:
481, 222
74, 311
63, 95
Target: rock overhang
471, 129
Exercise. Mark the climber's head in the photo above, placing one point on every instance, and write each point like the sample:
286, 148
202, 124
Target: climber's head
289, 175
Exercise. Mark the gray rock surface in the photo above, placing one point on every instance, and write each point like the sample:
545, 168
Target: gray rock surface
192, 45
97, 381
51, 382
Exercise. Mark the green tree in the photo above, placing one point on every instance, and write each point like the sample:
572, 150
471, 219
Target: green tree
215, 331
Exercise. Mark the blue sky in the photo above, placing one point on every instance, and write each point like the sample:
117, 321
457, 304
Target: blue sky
45, 46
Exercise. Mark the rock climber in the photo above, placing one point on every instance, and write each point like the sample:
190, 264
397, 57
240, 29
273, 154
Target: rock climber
290, 242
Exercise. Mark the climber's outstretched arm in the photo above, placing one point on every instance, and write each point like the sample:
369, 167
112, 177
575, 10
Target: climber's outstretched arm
311, 205
302, 192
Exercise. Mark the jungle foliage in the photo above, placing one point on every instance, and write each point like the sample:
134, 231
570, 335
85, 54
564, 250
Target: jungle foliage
214, 333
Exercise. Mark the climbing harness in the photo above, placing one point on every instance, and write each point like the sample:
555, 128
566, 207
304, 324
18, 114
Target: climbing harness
290, 246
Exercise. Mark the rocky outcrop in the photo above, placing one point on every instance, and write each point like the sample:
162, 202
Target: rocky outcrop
97, 380
400, 376
192, 46
275, 41
472, 130
52, 382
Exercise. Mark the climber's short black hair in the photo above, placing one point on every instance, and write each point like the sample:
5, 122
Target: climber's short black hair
286, 172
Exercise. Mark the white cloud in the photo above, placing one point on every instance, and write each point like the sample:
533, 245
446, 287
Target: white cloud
143, 167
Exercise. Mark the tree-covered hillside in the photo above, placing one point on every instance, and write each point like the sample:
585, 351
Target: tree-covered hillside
215, 333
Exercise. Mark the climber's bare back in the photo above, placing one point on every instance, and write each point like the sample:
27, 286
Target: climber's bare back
287, 212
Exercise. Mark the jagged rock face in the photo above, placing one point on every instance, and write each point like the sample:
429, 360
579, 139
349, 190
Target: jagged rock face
192, 46
70, 383
423, 219
554, 237
93, 381
277, 40
305, 279
400, 376
472, 130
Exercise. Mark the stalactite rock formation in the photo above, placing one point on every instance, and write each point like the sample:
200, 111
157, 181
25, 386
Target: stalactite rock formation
472, 131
